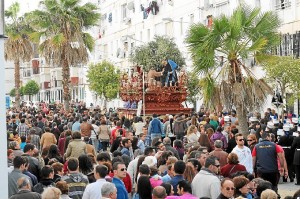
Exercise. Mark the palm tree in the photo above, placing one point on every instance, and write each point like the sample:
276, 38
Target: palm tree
60, 26
18, 47
219, 53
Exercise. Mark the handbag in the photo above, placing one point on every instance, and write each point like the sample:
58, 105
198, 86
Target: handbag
97, 135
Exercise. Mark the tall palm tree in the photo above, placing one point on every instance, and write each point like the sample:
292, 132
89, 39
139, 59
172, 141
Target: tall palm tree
60, 26
219, 53
17, 47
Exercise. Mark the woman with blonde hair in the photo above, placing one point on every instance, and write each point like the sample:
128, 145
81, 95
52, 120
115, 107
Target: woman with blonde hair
51, 193
191, 134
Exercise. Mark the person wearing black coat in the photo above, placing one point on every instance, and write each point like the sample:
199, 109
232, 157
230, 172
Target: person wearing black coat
285, 142
296, 161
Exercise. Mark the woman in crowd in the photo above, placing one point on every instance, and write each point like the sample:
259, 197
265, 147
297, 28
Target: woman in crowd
251, 141
144, 188
204, 140
51, 193
103, 135
232, 166
76, 147
189, 172
169, 188
86, 167
192, 134
63, 187
241, 186
53, 153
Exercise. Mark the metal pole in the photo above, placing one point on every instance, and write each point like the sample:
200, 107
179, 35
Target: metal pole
3, 137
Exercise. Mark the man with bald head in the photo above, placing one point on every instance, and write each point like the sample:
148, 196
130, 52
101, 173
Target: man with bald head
25, 192
159, 192
167, 142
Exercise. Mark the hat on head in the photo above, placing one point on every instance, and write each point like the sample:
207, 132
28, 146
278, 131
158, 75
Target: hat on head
150, 161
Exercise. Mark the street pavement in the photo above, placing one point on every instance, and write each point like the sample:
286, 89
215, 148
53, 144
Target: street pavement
287, 189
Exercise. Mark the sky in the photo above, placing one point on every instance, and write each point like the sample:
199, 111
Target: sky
25, 5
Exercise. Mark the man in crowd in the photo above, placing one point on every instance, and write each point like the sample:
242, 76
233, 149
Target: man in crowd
119, 174
13, 177
243, 152
108, 191
167, 143
126, 146
25, 192
86, 128
179, 168
219, 153
47, 139
159, 192
47, 174
92, 191
265, 156
206, 183
76, 181
180, 126
34, 166
155, 128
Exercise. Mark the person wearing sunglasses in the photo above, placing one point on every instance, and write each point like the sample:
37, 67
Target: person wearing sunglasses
119, 174
243, 152
206, 183
227, 189
251, 141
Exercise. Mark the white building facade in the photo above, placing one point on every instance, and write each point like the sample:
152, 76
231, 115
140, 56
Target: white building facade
126, 24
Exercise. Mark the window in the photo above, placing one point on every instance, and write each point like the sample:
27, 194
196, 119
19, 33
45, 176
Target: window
123, 11
282, 4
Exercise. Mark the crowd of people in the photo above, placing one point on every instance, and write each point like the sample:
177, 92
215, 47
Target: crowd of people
90, 154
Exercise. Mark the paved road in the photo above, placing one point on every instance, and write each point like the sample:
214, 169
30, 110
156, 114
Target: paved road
287, 189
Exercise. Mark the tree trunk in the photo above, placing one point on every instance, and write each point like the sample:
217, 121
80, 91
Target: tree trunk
65, 84
242, 119
17, 84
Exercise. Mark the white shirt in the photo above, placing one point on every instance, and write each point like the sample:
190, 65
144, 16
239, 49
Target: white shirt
93, 190
96, 129
245, 157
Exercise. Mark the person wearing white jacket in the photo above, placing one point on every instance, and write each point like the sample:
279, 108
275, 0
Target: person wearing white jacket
206, 183
243, 152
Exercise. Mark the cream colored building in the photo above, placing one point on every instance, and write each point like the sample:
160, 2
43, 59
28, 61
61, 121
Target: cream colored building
124, 25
